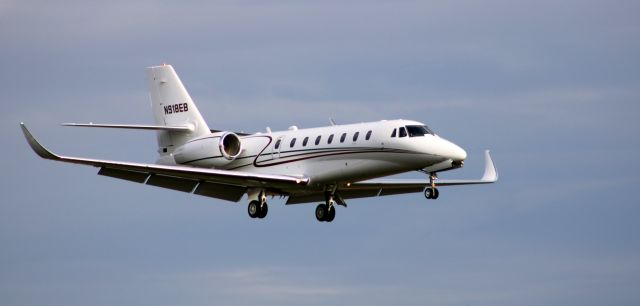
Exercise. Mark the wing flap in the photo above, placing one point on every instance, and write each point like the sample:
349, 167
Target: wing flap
132, 176
220, 191
170, 182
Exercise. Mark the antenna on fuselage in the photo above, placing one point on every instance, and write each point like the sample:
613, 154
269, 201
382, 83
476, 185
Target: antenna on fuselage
332, 121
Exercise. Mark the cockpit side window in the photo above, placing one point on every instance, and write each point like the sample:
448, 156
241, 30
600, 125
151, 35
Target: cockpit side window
393, 134
403, 132
430, 131
418, 130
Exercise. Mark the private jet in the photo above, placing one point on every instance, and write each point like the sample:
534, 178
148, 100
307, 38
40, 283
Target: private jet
328, 164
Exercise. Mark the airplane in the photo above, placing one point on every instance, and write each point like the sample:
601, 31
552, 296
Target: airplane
324, 164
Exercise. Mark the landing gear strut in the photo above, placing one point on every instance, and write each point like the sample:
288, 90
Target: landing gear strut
432, 192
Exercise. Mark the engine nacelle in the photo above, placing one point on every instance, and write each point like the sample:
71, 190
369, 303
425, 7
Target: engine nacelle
230, 145
215, 150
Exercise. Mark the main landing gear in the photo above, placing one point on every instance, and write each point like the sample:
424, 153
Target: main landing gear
258, 207
327, 211
257, 210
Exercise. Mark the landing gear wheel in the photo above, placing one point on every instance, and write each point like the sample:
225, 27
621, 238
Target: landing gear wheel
428, 193
254, 209
263, 211
331, 214
321, 212
431, 193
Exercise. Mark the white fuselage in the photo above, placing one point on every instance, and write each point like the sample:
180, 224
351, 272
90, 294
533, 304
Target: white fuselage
331, 154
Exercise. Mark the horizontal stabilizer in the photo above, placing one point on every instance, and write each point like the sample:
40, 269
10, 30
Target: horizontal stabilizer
180, 128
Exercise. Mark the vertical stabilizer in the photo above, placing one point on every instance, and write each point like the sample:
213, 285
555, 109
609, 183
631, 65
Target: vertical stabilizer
172, 106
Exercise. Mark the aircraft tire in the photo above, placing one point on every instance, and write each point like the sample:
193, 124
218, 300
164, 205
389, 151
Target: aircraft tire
263, 211
321, 212
253, 209
431, 193
331, 214
428, 193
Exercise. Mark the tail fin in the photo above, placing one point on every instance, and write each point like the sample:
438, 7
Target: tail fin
172, 106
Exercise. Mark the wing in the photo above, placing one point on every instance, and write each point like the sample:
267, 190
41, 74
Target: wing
222, 184
374, 188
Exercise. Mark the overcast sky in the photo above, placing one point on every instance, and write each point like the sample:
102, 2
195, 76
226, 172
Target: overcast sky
551, 87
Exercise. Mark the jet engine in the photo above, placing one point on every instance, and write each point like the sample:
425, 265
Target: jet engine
215, 150
230, 145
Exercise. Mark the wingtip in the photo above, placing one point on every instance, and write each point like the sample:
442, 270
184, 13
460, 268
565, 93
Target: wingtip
490, 171
35, 145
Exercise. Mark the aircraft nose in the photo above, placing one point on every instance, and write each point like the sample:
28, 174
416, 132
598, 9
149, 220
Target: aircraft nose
456, 153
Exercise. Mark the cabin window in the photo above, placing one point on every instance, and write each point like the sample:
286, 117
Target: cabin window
277, 145
368, 136
343, 137
293, 143
355, 136
403, 132
318, 140
304, 141
394, 133
330, 139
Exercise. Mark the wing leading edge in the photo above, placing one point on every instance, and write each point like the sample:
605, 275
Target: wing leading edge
222, 184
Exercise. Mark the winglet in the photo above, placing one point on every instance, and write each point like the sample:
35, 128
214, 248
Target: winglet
490, 172
36, 146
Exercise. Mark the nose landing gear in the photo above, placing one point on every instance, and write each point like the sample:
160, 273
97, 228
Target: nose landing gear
432, 192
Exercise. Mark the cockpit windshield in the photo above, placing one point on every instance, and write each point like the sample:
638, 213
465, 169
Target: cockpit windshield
419, 130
